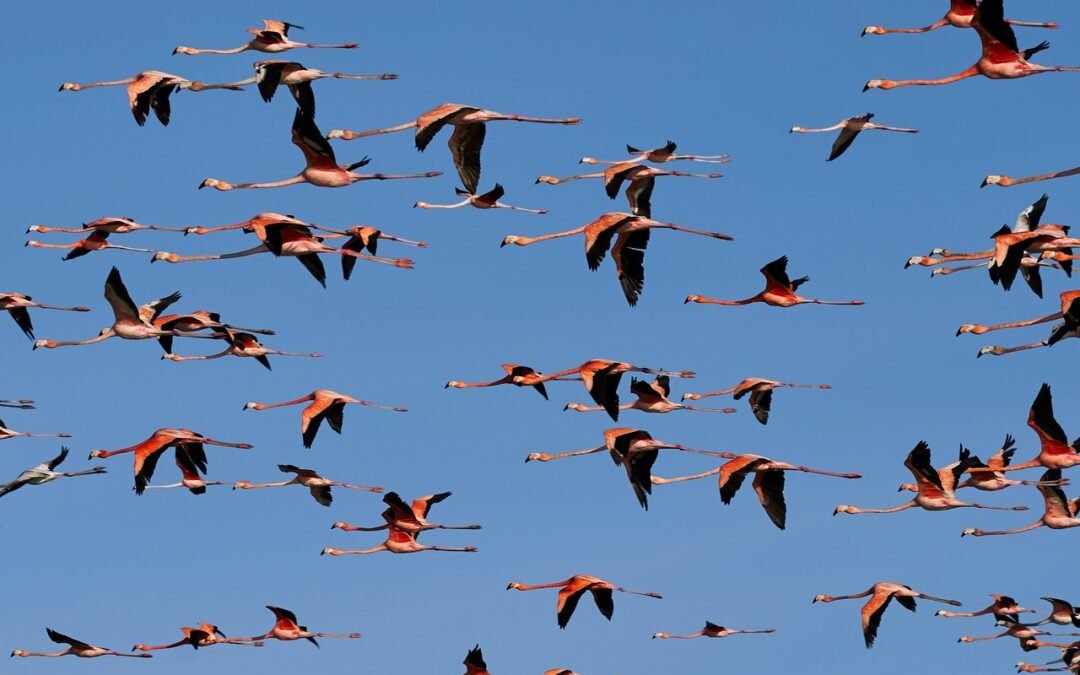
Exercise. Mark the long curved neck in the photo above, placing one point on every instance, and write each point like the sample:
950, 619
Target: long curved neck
538, 120
299, 178
252, 486
657, 480
235, 50
261, 248
113, 83
925, 29
304, 399
104, 336
728, 303
905, 505
350, 135
525, 241
970, 72
1021, 324
527, 587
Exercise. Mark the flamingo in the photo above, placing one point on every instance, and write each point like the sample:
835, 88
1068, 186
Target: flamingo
17, 305
946, 257
760, 390
470, 127
1070, 656
111, 224
992, 479
571, 590
641, 179
474, 662
881, 594
321, 167
129, 321
1060, 512
660, 155
1069, 312
936, 487
1008, 181
849, 129
75, 648
325, 404
205, 635
286, 236
780, 291
1004, 608
601, 378
46, 473
399, 541
487, 200
97, 240
243, 345
22, 404
1029, 269
316, 484
411, 518
286, 628
1026, 635
1001, 57
652, 397
768, 481
193, 322
631, 236
270, 74
6, 433
365, 236
712, 630
960, 15
272, 38
517, 375
1062, 613
1054, 451
150, 90
1011, 246
191, 463
148, 452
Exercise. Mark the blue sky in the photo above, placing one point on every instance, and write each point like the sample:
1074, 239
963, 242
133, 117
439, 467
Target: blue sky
90, 559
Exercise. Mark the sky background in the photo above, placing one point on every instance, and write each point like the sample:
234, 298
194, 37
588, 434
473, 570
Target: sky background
90, 559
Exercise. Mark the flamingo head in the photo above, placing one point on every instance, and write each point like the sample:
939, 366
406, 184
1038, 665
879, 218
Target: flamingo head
252, 405
1003, 181
994, 350
692, 298
843, 508
872, 30
330, 551
47, 344
166, 256
19, 652
512, 239
879, 84
242, 485
795, 130
216, 184
183, 50
909, 487
340, 133
975, 532
971, 328
513, 584
454, 384
659, 635
574, 406
914, 260
337, 526
939, 271
822, 598
538, 456
140, 648
550, 180
69, 86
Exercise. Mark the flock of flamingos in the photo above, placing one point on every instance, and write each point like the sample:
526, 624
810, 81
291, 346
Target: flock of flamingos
1026, 248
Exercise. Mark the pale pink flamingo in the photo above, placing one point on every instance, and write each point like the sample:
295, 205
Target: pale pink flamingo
960, 15
641, 182
97, 240
760, 391
316, 484
191, 462
849, 129
150, 90
205, 635
652, 397
270, 74
76, 648
17, 305
988, 476
517, 375
712, 630
631, 236
487, 200
46, 473
661, 155
571, 590
1069, 312
411, 518
1070, 657
470, 127
6, 433
272, 38
1001, 57
286, 628
1060, 512
1004, 607
399, 541
22, 404
780, 290
325, 404
1008, 181
1025, 633
365, 236
321, 168
602, 376
112, 225
881, 594
243, 345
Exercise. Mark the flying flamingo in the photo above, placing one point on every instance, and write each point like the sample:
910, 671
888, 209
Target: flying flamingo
45, 473
76, 648
519, 376
571, 590
6, 433
992, 479
112, 225
631, 236
22, 404
287, 628
1054, 451
1060, 512
936, 487
1069, 312
470, 127
652, 397
399, 541
325, 404
1001, 57
270, 74
768, 481
1070, 656
1062, 613
660, 155
321, 167
205, 635
474, 662
17, 305
411, 518
487, 200
641, 178
192, 463
881, 594
150, 90
849, 129
780, 291
1026, 634
1004, 608
97, 240
712, 630
1007, 181
148, 452
760, 390
273, 38
960, 15
243, 345
365, 236
946, 257
316, 484
1029, 269
602, 376
130, 322
196, 321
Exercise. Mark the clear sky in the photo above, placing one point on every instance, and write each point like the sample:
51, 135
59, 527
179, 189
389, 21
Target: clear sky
90, 559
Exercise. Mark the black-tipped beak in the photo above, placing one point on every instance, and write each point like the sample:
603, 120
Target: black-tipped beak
866, 88
686, 301
202, 185
60, 89
979, 355
509, 586
983, 184
502, 243
907, 264
566, 407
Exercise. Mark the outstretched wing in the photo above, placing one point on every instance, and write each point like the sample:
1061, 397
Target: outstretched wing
465, 145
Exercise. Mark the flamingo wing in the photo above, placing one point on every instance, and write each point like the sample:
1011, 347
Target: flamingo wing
474, 661
603, 386
116, 293
761, 404
567, 603
997, 36
918, 462
430, 123
465, 145
268, 77
318, 153
605, 602
598, 236
850, 130
286, 620
422, 505
1029, 218
145, 463
22, 319
639, 195
629, 256
776, 276
616, 174
523, 371
872, 612
159, 100
60, 638
1057, 504
311, 419
769, 486
1041, 420
733, 473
